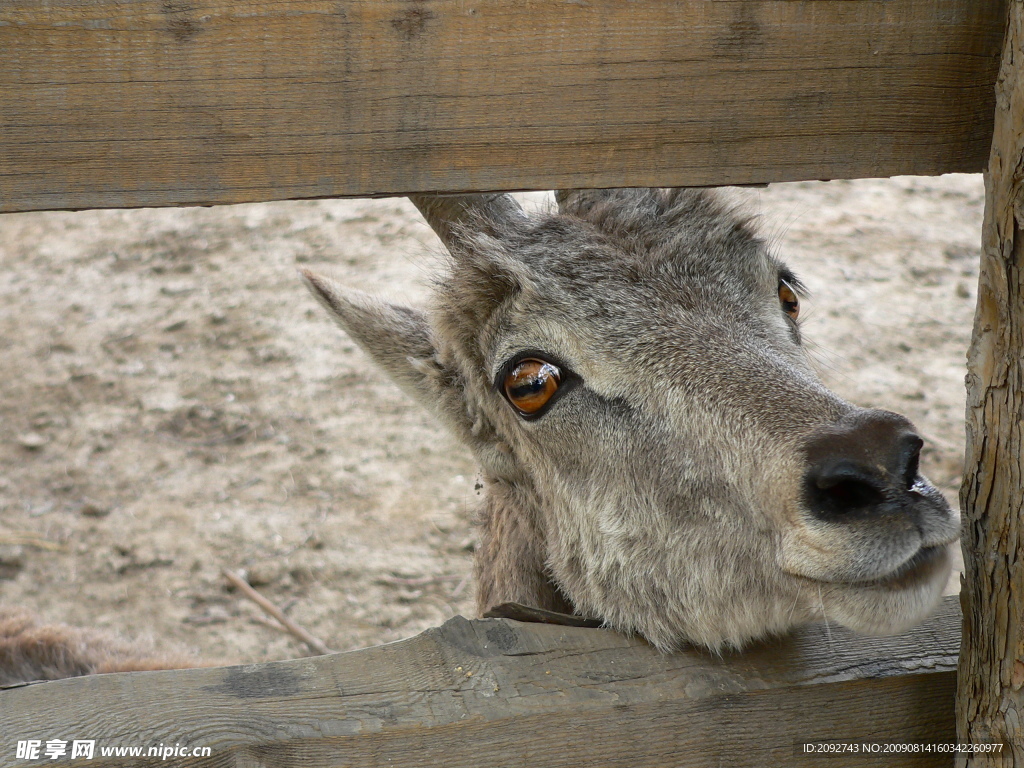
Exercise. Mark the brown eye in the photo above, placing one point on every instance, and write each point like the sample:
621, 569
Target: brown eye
788, 299
530, 384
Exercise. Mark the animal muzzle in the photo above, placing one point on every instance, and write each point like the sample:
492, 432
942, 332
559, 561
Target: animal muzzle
864, 466
868, 515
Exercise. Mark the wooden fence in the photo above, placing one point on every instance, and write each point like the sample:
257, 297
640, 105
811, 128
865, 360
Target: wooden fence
175, 102
191, 102
495, 692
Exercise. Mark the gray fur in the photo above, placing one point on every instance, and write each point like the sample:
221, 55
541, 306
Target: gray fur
666, 492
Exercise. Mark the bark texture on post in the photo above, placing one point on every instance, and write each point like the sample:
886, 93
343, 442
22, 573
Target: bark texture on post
990, 699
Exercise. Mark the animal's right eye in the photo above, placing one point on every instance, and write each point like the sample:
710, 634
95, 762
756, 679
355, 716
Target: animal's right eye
530, 385
789, 300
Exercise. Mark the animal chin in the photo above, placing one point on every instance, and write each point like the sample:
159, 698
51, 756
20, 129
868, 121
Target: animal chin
891, 603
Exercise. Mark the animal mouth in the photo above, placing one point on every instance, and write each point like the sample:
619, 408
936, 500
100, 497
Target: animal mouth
920, 567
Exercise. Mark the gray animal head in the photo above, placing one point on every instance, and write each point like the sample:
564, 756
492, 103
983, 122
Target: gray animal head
657, 450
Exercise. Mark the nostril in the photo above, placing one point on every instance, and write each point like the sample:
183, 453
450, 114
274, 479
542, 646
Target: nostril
847, 495
911, 458
841, 487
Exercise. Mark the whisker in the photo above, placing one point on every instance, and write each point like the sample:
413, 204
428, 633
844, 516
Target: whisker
828, 629
796, 600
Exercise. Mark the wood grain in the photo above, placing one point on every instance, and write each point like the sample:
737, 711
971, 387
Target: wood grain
990, 698
105, 103
502, 693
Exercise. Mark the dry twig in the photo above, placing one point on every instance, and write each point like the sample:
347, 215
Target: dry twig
273, 611
31, 540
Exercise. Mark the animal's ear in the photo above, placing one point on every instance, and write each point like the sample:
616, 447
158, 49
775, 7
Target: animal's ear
397, 338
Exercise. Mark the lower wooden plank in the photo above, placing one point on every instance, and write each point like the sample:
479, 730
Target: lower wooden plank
161, 102
502, 693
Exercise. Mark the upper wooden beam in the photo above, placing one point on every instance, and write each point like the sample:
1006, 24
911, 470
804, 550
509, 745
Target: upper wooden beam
501, 693
166, 102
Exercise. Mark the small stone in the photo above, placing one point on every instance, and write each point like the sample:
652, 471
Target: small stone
213, 614
41, 420
32, 441
264, 573
177, 289
12, 560
161, 400
92, 509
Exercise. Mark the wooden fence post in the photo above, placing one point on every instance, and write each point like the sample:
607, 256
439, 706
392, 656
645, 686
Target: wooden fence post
990, 699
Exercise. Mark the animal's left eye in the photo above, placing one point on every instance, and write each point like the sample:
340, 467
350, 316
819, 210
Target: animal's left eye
788, 299
530, 384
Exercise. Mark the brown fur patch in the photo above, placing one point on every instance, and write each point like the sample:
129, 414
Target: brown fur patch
30, 650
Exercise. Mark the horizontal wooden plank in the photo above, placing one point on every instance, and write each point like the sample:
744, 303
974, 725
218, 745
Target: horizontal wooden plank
167, 102
498, 692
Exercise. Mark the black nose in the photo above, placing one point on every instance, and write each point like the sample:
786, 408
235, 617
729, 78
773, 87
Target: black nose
862, 465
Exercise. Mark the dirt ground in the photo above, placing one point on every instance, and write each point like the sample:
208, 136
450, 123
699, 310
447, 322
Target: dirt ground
173, 402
